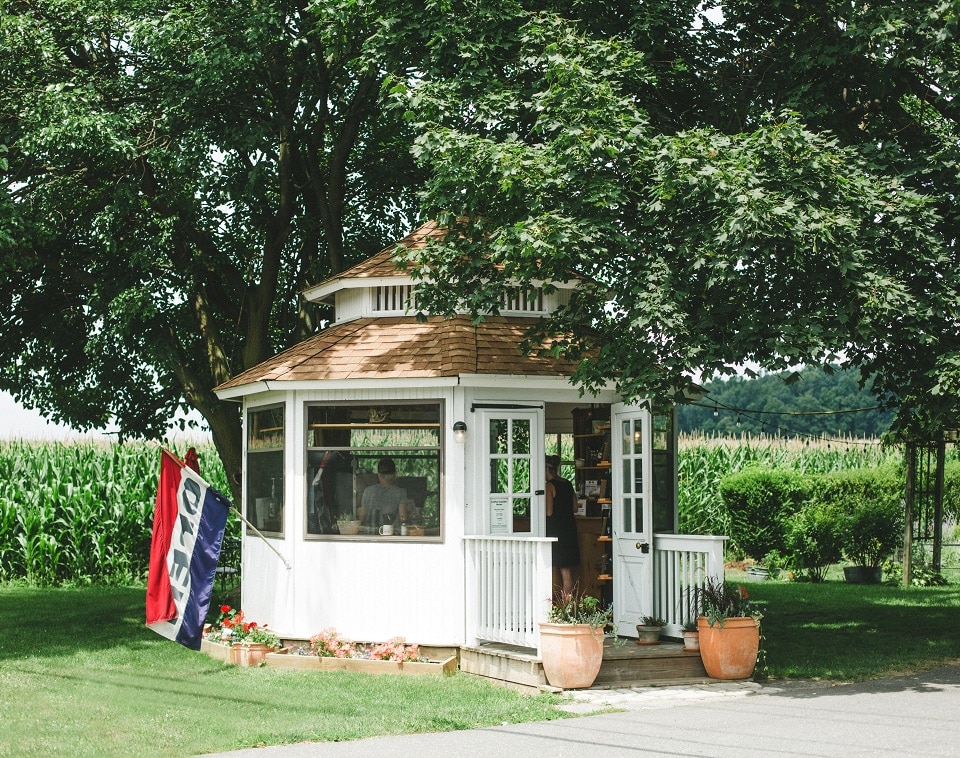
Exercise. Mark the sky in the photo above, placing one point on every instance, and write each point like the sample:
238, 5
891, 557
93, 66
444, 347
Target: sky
17, 422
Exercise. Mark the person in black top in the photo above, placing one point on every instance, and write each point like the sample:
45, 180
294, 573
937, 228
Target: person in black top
562, 523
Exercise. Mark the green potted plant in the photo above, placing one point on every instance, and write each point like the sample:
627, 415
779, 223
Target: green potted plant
648, 630
729, 629
691, 635
874, 530
571, 640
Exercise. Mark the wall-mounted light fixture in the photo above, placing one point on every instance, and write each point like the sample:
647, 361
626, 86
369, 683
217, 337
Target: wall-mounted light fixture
459, 431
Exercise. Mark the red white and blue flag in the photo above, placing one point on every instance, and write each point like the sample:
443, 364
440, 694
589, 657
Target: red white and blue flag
188, 526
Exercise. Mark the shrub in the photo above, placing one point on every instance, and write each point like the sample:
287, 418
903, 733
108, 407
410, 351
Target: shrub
759, 502
815, 538
872, 503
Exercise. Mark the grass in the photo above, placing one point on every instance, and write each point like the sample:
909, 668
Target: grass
80, 675
839, 631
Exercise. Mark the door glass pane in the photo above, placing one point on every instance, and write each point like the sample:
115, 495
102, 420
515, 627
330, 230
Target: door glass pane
499, 475
521, 475
627, 476
521, 514
638, 514
521, 436
498, 436
627, 513
625, 438
637, 438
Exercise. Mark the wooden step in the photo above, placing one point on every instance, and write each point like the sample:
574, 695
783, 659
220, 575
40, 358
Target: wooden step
625, 664
633, 665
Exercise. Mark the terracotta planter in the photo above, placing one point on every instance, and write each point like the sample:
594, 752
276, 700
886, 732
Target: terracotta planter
571, 653
648, 635
691, 641
254, 654
729, 651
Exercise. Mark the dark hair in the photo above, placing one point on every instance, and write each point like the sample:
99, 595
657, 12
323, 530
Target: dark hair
553, 462
386, 466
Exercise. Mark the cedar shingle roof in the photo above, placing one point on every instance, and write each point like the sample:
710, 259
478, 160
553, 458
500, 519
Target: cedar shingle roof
402, 347
384, 263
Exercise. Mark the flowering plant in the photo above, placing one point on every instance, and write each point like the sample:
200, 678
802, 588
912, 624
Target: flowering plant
578, 608
718, 601
260, 635
331, 644
395, 649
230, 626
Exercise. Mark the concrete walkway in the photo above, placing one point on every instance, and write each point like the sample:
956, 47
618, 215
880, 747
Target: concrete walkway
911, 715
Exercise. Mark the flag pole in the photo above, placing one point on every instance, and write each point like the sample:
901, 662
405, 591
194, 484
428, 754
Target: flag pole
235, 509
257, 532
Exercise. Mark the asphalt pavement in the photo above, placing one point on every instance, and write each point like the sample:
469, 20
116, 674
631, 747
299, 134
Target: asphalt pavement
909, 715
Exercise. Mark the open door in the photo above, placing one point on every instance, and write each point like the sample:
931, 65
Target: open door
632, 516
513, 478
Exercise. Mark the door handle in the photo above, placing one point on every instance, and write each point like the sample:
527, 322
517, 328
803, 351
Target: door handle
539, 492
643, 547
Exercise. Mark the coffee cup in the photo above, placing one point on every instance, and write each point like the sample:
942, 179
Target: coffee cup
403, 530
386, 530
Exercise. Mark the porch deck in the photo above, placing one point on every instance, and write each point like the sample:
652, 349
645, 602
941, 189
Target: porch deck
624, 665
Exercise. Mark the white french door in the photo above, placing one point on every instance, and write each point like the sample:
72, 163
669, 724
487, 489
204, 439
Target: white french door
631, 516
513, 474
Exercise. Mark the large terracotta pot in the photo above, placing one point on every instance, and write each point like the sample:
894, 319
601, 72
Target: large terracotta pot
246, 654
729, 651
571, 653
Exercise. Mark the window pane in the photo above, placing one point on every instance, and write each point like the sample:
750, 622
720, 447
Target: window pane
521, 436
638, 514
626, 438
498, 436
499, 475
521, 475
264, 470
371, 466
265, 429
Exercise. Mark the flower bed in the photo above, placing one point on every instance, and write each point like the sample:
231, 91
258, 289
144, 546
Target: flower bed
326, 651
289, 658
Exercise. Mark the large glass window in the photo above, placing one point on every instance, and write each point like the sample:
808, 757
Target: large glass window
265, 469
373, 470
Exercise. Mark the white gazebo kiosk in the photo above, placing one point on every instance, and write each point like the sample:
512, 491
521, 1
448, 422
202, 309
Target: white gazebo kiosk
467, 420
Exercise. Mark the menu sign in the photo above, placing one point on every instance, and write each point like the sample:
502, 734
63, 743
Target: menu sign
500, 515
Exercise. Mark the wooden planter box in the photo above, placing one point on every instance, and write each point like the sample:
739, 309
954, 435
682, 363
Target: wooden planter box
282, 659
216, 650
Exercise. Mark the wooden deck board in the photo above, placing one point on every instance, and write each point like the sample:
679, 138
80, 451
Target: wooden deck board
624, 665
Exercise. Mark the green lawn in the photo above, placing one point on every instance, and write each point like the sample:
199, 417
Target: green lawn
836, 630
80, 674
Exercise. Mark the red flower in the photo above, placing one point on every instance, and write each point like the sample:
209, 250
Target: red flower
224, 609
743, 592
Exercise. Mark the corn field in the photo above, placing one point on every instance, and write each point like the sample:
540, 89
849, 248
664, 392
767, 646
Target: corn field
81, 511
704, 460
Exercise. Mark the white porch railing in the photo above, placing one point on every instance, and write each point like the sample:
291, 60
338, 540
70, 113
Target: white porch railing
509, 584
681, 563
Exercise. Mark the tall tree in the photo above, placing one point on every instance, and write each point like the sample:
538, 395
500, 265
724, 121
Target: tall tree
755, 225
177, 173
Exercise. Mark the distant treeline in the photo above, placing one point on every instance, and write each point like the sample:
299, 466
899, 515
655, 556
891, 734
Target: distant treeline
811, 403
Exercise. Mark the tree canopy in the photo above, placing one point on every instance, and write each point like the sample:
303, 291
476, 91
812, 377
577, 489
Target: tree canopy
774, 187
795, 207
